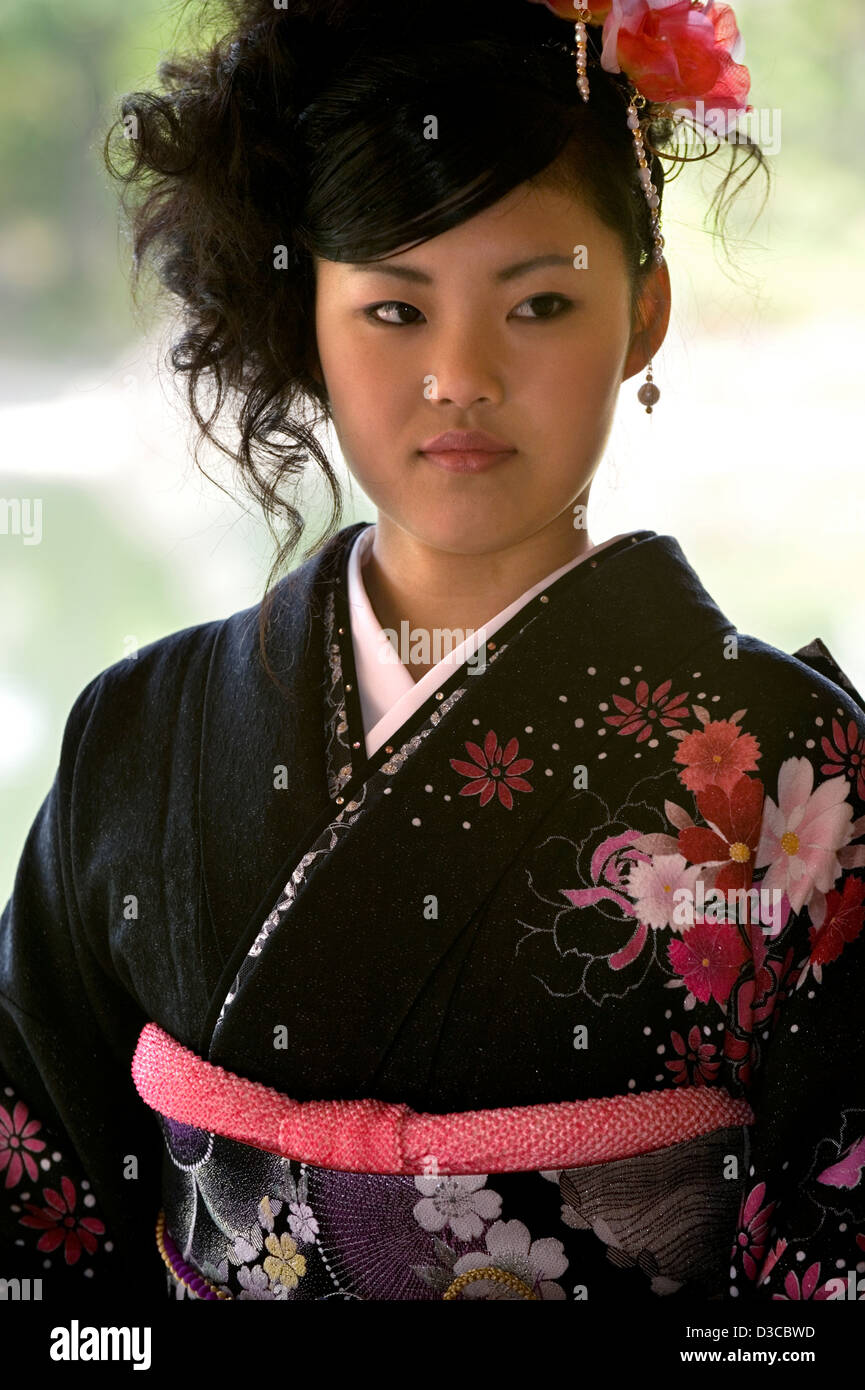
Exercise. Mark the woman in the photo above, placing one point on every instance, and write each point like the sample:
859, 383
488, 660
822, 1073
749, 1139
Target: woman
461, 911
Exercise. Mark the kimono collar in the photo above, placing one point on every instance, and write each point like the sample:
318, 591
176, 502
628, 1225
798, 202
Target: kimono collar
388, 693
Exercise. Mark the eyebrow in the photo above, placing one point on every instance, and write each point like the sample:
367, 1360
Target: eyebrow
509, 272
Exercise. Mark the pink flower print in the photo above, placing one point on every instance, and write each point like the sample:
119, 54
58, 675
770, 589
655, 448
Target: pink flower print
654, 886
708, 960
610, 865
846, 754
807, 1288
771, 1260
716, 756
753, 1231
802, 834
847, 1172
60, 1224
643, 714
695, 1064
493, 770
17, 1143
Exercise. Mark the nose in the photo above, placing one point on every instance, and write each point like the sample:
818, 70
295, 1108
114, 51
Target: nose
464, 371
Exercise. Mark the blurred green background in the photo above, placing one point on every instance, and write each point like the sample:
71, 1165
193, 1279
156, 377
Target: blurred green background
752, 458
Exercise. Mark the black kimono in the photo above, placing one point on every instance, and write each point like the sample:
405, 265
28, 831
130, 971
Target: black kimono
556, 995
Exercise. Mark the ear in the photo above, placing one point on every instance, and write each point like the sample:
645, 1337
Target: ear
651, 320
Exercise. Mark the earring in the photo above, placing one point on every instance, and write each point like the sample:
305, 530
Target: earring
583, 17
648, 394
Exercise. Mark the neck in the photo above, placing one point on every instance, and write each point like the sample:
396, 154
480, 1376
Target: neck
407, 580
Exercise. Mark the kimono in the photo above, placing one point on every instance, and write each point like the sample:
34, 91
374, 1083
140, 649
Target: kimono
555, 994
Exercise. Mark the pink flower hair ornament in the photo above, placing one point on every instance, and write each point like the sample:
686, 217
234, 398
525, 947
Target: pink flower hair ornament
682, 51
674, 52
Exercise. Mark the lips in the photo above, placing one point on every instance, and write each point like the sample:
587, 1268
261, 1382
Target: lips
466, 442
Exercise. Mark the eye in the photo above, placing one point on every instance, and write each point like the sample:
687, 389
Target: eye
372, 314
546, 299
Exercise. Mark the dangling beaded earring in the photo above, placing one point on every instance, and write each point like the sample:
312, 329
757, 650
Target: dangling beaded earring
583, 17
648, 394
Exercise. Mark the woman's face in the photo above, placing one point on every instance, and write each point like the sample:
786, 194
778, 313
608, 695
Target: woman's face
456, 334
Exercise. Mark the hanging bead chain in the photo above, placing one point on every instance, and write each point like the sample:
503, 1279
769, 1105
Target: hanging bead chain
583, 17
649, 188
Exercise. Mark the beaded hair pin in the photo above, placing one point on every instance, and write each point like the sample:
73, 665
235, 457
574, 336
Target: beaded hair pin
672, 51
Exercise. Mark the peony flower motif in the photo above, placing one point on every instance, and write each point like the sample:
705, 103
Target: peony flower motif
753, 1231
643, 714
510, 1247
802, 834
696, 1064
735, 816
464, 1204
716, 755
654, 886
709, 959
61, 1225
493, 770
846, 754
17, 1142
675, 51
283, 1265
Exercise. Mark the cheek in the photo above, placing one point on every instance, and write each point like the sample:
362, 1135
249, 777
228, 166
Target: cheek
578, 382
359, 371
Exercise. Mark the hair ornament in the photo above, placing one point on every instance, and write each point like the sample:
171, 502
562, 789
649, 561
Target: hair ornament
675, 53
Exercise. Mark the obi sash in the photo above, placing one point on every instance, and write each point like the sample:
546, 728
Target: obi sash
385, 1098
270, 1198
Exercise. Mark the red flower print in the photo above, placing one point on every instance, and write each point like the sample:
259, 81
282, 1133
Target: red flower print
716, 755
708, 959
694, 1065
737, 814
753, 1230
845, 915
16, 1138
645, 712
493, 770
846, 754
808, 1287
61, 1226
771, 1260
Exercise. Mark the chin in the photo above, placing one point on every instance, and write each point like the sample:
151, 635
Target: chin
466, 534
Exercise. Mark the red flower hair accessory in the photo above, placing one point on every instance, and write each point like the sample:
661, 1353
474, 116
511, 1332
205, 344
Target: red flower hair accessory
685, 52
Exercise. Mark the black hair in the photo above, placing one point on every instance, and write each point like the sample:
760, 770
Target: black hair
288, 132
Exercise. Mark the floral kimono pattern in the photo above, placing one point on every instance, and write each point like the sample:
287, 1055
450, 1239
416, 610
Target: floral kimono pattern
554, 996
